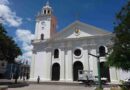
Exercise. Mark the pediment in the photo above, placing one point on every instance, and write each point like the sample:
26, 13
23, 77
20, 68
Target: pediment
79, 29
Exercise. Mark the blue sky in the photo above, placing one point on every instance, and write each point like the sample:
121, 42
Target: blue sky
100, 13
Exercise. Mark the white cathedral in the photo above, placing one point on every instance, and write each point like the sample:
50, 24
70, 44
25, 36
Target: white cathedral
57, 56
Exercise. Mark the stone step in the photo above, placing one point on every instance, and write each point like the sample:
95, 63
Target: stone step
58, 83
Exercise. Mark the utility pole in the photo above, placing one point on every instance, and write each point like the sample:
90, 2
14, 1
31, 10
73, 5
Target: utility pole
99, 71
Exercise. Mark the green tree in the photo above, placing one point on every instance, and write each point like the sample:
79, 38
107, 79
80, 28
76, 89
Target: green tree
120, 55
9, 50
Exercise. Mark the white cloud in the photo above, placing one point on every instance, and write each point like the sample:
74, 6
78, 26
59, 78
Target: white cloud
5, 2
27, 47
25, 36
9, 17
28, 54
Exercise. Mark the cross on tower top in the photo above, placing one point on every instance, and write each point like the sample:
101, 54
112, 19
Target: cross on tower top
46, 10
47, 3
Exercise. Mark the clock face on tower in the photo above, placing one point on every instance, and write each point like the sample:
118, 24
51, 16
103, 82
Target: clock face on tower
43, 23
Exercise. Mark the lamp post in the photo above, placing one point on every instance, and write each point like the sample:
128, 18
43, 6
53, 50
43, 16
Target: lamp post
99, 71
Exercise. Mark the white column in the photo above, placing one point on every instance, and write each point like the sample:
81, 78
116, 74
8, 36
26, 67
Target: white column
37, 30
93, 62
32, 67
48, 64
68, 65
86, 61
62, 66
43, 66
40, 64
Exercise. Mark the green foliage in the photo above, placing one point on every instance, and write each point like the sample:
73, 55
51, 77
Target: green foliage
120, 56
8, 48
125, 85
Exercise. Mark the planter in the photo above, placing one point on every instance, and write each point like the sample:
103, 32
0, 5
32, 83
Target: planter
3, 87
119, 88
115, 88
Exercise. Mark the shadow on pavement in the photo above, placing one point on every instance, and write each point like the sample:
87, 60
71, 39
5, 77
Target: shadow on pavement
14, 85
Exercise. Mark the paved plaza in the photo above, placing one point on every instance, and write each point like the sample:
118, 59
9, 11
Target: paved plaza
52, 87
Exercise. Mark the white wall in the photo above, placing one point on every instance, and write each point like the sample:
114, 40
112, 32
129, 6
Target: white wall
40, 65
93, 62
48, 65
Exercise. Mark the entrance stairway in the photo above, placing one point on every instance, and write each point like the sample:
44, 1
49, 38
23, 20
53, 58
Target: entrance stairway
74, 83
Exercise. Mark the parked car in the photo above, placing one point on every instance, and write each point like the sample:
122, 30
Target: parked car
88, 78
127, 82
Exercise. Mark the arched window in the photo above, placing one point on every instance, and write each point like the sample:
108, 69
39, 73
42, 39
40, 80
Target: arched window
44, 11
42, 36
56, 53
102, 51
48, 11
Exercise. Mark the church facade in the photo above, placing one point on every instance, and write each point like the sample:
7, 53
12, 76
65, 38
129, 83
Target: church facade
57, 56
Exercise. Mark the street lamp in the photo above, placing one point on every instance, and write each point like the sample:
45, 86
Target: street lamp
99, 71
102, 53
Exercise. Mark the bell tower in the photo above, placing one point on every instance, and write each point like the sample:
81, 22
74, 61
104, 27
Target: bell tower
45, 23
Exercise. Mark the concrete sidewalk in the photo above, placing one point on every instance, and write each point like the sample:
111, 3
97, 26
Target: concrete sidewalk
54, 87
51, 86
12, 84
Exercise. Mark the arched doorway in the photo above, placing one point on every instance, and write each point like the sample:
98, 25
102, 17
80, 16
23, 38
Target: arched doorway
105, 71
77, 66
55, 72
42, 36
